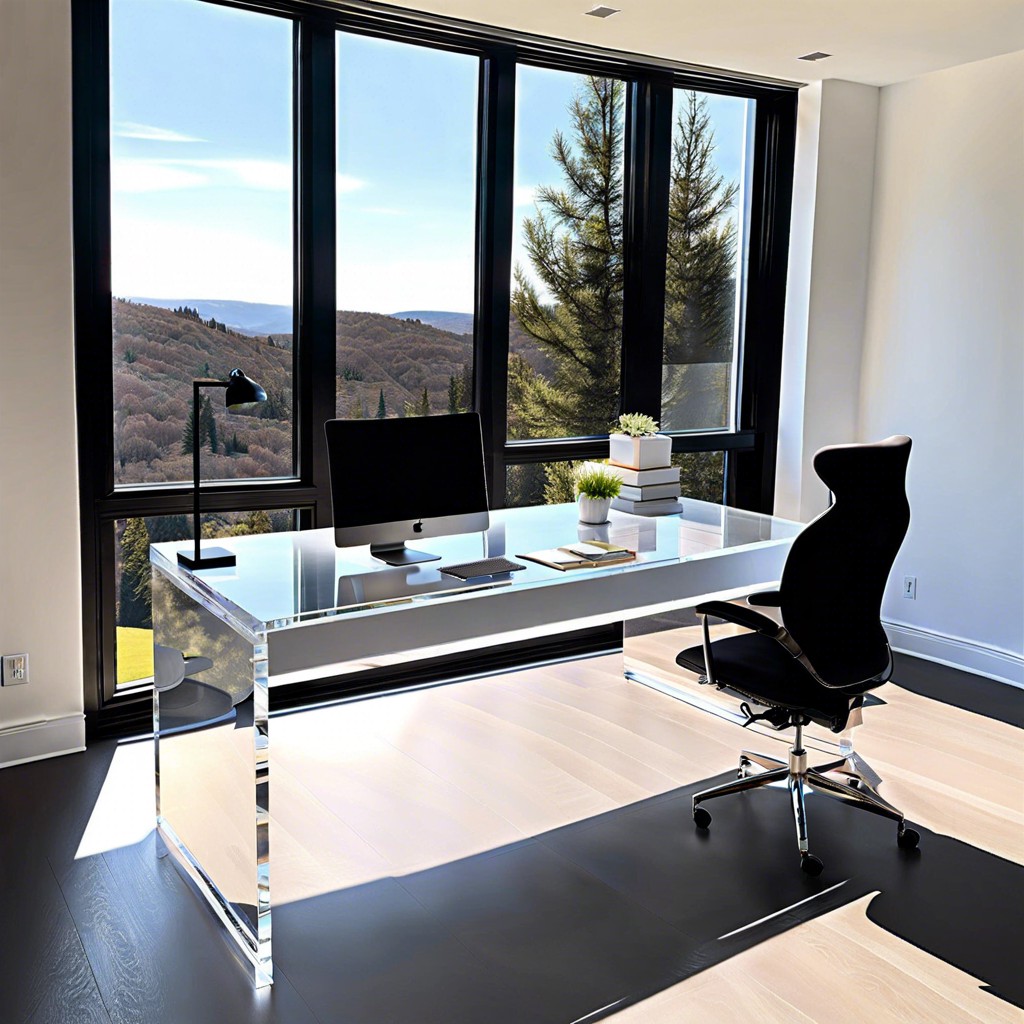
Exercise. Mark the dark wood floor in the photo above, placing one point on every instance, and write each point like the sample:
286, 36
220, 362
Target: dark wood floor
586, 910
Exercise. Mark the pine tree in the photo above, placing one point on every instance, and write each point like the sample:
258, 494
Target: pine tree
700, 279
575, 247
574, 243
423, 406
134, 599
207, 428
382, 409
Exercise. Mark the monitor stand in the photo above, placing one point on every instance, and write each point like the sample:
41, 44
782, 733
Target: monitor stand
399, 554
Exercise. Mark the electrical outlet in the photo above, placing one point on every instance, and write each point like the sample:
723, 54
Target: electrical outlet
910, 588
15, 670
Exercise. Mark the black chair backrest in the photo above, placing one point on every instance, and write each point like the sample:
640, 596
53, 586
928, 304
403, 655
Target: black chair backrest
835, 574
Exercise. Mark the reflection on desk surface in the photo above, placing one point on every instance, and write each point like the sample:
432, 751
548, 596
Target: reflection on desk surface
282, 578
383, 586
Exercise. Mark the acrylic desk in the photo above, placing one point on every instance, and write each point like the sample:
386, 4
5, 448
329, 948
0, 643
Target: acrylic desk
297, 608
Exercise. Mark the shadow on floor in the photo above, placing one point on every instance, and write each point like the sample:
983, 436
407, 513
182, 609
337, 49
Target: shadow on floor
586, 919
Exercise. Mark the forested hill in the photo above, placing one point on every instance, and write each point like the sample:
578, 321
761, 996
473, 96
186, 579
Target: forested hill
157, 354
380, 354
409, 366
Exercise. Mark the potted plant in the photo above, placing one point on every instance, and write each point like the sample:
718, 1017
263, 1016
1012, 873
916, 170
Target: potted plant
635, 442
596, 486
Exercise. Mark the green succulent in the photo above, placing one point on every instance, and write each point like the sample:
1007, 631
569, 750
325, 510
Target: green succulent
597, 483
636, 424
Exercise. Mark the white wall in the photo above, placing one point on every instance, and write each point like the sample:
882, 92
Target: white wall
827, 285
40, 578
943, 356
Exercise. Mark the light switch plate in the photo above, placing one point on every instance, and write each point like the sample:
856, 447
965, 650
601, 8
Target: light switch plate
15, 670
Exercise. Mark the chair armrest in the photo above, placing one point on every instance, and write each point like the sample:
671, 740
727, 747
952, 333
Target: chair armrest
766, 599
736, 613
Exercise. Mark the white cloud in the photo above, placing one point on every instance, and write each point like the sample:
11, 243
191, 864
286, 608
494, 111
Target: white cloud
384, 285
228, 260
269, 175
131, 174
152, 176
347, 183
134, 130
523, 195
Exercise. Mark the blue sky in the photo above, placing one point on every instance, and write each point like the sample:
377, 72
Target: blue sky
202, 147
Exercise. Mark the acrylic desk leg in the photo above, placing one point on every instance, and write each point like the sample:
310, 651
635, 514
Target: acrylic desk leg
213, 766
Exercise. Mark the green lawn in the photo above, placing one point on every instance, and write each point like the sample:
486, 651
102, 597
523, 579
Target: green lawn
134, 654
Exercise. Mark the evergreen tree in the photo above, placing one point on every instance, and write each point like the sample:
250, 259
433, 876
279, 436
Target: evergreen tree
575, 247
134, 599
207, 424
574, 243
423, 406
382, 409
700, 279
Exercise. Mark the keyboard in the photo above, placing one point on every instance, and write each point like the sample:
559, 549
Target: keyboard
485, 567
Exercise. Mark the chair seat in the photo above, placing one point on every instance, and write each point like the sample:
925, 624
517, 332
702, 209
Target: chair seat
759, 668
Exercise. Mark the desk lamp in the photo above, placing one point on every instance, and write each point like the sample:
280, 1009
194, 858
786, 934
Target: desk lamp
241, 393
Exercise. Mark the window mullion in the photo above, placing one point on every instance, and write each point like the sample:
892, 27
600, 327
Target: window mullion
648, 160
315, 252
495, 145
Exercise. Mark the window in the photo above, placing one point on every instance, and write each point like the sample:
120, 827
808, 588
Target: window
565, 330
708, 187
201, 236
395, 216
406, 202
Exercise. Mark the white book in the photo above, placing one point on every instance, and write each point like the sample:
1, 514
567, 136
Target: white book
650, 491
657, 507
639, 477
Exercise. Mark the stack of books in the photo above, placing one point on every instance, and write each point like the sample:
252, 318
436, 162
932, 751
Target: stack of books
646, 492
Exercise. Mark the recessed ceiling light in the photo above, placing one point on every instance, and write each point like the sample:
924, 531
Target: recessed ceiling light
817, 55
602, 12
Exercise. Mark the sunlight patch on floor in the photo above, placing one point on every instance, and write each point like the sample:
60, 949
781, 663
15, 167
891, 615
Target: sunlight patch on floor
125, 812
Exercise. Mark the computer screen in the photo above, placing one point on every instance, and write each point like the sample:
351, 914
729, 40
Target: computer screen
394, 480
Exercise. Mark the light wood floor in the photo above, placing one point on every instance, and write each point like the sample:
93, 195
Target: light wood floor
444, 773
393, 785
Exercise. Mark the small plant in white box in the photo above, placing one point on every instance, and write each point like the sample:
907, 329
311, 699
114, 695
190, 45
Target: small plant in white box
596, 487
635, 442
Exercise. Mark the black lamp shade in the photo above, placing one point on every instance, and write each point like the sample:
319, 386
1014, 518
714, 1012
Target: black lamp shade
242, 391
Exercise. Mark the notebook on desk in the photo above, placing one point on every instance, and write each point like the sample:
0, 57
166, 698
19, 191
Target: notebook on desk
582, 555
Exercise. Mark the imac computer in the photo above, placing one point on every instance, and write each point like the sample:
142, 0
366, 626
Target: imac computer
395, 480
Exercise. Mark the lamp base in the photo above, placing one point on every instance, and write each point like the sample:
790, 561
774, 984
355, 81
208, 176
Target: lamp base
210, 558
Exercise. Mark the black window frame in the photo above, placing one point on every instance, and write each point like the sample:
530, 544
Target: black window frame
750, 448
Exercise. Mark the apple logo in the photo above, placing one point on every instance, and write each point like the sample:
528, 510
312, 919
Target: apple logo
417, 527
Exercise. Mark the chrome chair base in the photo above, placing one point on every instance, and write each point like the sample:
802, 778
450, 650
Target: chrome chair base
842, 779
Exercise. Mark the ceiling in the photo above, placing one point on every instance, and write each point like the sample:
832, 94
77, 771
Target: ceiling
877, 42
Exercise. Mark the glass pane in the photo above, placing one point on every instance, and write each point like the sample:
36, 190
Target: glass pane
406, 195
703, 475
706, 259
539, 483
565, 334
132, 537
201, 236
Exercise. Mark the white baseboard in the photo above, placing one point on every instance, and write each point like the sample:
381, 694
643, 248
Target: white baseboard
981, 659
33, 742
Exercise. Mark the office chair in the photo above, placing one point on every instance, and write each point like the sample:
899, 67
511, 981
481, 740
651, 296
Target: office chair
831, 648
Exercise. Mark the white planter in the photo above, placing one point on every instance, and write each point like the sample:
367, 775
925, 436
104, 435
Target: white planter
640, 452
594, 510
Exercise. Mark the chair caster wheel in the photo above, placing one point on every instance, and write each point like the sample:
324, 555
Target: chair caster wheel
907, 838
701, 817
810, 865
741, 772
